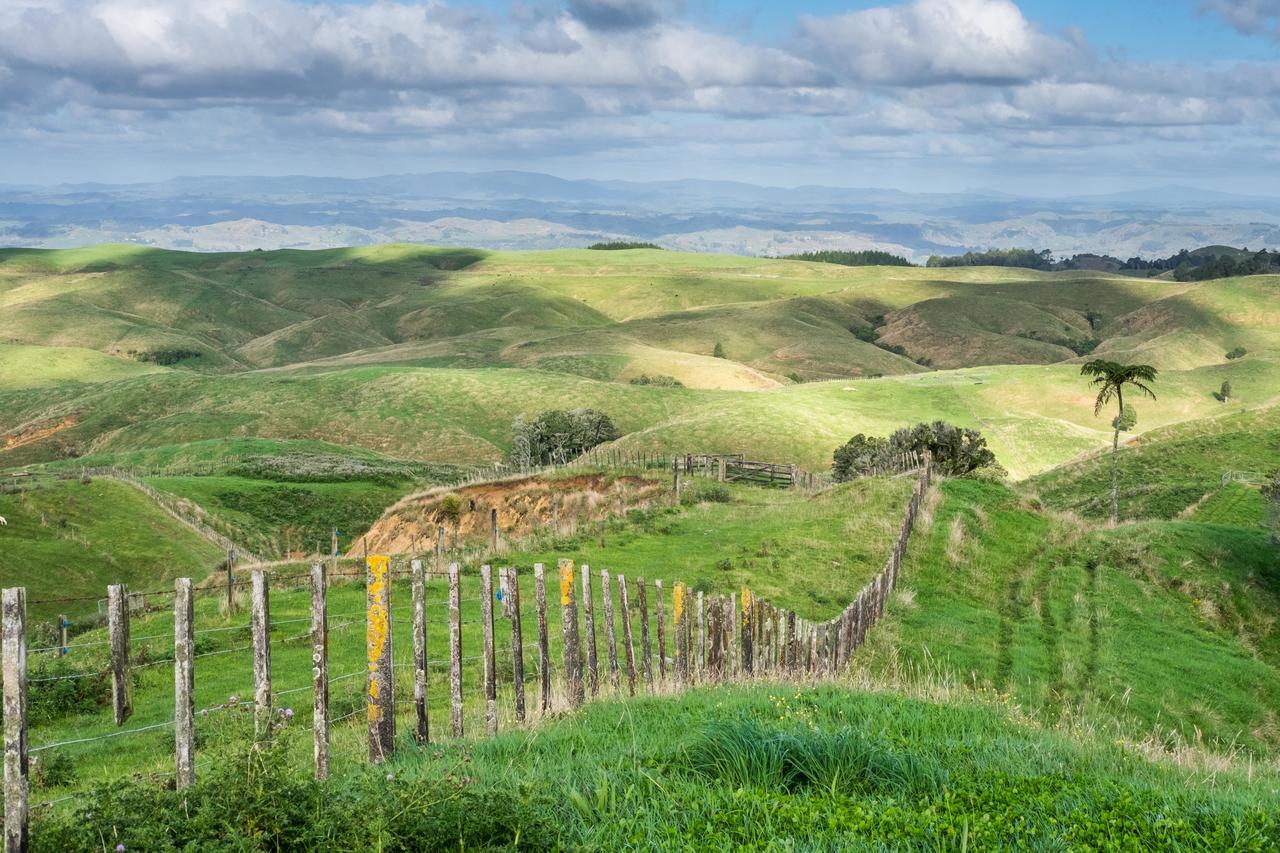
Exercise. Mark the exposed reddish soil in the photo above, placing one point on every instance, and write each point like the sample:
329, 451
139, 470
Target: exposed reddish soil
524, 507
35, 432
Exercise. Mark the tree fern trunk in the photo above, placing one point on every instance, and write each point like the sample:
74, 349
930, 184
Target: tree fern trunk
1115, 476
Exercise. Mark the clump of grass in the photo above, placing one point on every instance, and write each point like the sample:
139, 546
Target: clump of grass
746, 753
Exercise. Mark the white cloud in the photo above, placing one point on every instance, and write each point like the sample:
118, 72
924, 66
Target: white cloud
938, 41
1251, 17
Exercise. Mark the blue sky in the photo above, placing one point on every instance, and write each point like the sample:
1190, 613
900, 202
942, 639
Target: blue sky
1035, 97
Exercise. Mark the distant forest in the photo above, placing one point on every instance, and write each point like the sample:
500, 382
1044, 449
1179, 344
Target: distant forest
867, 258
620, 245
1194, 265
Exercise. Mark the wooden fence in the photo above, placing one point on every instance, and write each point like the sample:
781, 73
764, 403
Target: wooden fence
700, 639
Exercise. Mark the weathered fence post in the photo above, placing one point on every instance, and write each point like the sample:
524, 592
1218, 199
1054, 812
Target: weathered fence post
544, 649
13, 645
455, 648
746, 648
609, 636
440, 548
517, 643
675, 486
422, 728
701, 654
793, 643
261, 619
721, 473
231, 580
490, 667
679, 620
569, 629
320, 670
645, 648
555, 515
662, 630
382, 678
589, 626
733, 637
628, 646
184, 682
118, 635
493, 530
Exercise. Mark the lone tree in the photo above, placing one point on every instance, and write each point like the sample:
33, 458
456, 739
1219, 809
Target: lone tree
1110, 378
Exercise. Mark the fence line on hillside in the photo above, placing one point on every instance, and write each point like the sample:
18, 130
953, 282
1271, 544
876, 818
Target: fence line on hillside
712, 639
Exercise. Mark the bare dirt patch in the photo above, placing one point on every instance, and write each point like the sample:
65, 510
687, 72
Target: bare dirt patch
524, 507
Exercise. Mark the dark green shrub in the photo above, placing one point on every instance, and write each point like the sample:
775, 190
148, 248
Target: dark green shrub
1238, 352
956, 451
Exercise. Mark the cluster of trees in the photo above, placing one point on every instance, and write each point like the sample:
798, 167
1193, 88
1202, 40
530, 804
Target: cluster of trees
165, 356
557, 436
622, 244
658, 379
956, 451
1209, 262
1187, 265
865, 258
1028, 258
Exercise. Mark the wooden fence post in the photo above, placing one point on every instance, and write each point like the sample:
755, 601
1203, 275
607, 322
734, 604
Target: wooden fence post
493, 530
662, 630
118, 635
440, 533
184, 682
793, 643
731, 625
422, 727
610, 637
455, 648
701, 654
628, 646
569, 630
544, 649
517, 643
261, 619
589, 626
746, 648
13, 645
645, 648
319, 670
679, 618
490, 667
382, 678
555, 515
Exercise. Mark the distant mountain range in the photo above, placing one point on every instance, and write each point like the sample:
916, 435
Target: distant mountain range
526, 210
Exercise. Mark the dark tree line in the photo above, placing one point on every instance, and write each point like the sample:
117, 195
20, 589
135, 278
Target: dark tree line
866, 258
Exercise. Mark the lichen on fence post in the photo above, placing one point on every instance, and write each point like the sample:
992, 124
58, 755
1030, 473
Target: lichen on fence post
118, 636
13, 645
661, 618
610, 637
646, 650
628, 644
544, 649
261, 621
184, 683
378, 641
589, 627
422, 727
489, 663
319, 671
455, 649
517, 642
569, 631
746, 647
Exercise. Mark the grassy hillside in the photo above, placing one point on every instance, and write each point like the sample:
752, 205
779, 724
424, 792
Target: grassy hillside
1050, 647
1035, 417
1163, 629
1187, 469
772, 767
66, 539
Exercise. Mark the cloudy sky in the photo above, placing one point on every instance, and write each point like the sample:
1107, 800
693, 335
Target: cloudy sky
1037, 96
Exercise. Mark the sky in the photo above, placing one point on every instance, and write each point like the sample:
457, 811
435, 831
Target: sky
1038, 97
